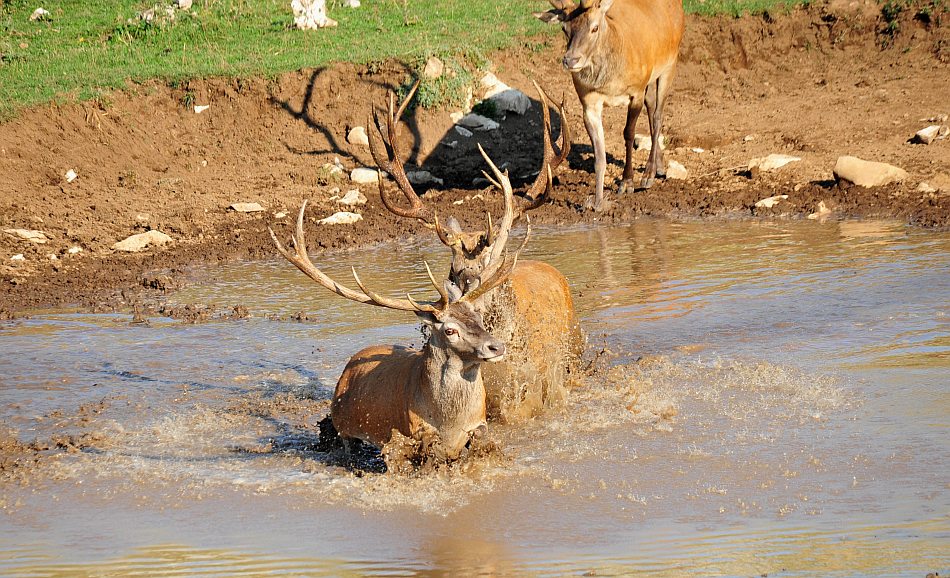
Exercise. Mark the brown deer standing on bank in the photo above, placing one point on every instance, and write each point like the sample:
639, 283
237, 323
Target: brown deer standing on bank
534, 312
436, 389
621, 52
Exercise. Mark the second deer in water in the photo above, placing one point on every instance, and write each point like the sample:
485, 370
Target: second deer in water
437, 389
534, 312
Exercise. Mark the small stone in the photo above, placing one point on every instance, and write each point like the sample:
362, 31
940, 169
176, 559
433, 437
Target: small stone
143, 217
357, 136
456, 116
675, 170
311, 14
772, 162
352, 198
74, 250
31, 235
183, 4
643, 142
141, 241
930, 134
926, 188
821, 213
434, 68
352, 3
71, 176
423, 178
463, 131
200, 108
280, 215
698, 150
246, 207
867, 173
770, 202
478, 122
341, 218
18, 257
748, 138
366, 176
451, 144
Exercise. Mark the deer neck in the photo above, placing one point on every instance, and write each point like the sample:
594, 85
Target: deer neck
452, 393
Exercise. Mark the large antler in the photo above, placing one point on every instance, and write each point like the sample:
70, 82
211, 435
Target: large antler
300, 258
385, 151
539, 189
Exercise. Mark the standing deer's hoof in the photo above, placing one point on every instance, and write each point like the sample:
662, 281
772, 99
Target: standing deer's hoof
592, 205
626, 185
647, 182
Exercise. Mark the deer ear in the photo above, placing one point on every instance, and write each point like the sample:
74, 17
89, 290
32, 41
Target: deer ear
453, 226
550, 16
604, 5
429, 318
454, 291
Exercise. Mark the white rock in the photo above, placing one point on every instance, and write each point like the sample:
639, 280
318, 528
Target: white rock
772, 162
675, 170
280, 215
478, 122
74, 250
200, 108
434, 68
184, 4
246, 207
142, 241
311, 14
698, 150
357, 136
867, 173
506, 98
643, 142
822, 211
749, 138
366, 176
31, 235
930, 134
353, 198
423, 178
18, 257
341, 218
926, 188
463, 131
770, 202
352, 3
71, 176
456, 116
40, 14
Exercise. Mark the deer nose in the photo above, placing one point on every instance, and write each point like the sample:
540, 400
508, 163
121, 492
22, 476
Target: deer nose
570, 62
494, 350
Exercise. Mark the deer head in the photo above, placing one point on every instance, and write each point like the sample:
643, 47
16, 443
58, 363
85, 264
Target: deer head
584, 25
455, 325
473, 252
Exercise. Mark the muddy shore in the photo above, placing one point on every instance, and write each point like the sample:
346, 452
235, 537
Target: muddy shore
820, 82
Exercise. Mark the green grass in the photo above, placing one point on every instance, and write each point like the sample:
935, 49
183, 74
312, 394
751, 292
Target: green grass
739, 7
91, 47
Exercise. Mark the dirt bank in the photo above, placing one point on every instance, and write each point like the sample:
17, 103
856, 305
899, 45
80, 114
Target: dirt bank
816, 83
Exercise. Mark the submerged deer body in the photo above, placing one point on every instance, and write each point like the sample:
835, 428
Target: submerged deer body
621, 52
437, 389
533, 313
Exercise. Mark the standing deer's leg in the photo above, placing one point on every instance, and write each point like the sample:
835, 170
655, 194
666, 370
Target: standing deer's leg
655, 96
593, 121
629, 131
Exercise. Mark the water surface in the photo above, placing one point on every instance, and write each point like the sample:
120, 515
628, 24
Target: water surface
771, 398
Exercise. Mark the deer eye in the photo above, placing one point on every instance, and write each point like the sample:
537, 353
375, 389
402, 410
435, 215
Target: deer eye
450, 332
595, 28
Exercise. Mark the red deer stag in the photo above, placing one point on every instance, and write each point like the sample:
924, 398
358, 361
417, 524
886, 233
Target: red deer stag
534, 312
437, 389
621, 52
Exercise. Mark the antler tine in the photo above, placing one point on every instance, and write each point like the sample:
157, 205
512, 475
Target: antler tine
543, 183
404, 305
493, 277
392, 162
501, 238
302, 261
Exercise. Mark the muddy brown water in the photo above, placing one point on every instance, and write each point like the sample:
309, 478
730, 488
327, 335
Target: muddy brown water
763, 398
